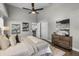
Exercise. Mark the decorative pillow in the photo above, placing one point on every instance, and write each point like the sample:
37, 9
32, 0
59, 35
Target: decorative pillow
20, 38
7, 36
4, 42
12, 40
17, 39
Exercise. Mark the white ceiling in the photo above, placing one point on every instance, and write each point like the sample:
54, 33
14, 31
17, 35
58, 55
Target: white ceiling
44, 5
73, 6
28, 5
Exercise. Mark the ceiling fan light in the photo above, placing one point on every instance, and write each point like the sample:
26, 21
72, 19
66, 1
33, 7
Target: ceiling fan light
33, 12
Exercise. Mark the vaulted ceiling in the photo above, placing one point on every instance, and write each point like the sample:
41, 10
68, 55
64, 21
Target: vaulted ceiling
45, 5
28, 5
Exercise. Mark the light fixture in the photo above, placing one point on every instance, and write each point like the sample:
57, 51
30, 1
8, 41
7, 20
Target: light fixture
5, 30
33, 12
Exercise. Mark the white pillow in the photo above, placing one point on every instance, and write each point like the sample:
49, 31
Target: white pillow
4, 42
12, 40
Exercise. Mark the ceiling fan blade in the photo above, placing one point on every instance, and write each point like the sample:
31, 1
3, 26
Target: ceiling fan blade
39, 9
37, 12
30, 12
26, 8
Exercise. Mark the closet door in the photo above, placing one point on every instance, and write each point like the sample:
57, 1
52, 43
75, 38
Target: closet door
38, 31
44, 30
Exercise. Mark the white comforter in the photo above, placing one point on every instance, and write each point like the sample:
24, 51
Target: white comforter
20, 49
27, 47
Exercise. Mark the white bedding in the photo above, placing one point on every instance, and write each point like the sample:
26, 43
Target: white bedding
26, 48
20, 49
39, 43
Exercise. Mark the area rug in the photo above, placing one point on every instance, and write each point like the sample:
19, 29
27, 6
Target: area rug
50, 51
53, 52
57, 52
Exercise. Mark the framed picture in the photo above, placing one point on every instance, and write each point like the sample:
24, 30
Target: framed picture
25, 26
16, 29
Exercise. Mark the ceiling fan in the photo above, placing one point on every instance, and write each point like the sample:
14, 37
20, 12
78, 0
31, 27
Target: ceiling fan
33, 10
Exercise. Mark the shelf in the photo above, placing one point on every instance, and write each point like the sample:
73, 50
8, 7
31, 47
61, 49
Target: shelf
64, 29
65, 21
63, 26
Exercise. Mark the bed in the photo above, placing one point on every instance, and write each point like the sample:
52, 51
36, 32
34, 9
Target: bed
29, 46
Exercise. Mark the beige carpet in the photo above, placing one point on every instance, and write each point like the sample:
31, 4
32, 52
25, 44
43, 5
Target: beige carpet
57, 52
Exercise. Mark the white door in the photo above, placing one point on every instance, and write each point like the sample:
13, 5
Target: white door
38, 30
44, 30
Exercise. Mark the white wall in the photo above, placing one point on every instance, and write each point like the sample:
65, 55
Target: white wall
17, 16
60, 12
75, 29
3, 11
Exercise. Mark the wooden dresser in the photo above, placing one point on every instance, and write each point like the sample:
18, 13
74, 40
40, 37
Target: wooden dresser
62, 41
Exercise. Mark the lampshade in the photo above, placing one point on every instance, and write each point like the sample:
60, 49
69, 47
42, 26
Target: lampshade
6, 28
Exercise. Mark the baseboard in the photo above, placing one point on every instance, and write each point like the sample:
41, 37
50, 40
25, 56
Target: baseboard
75, 49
